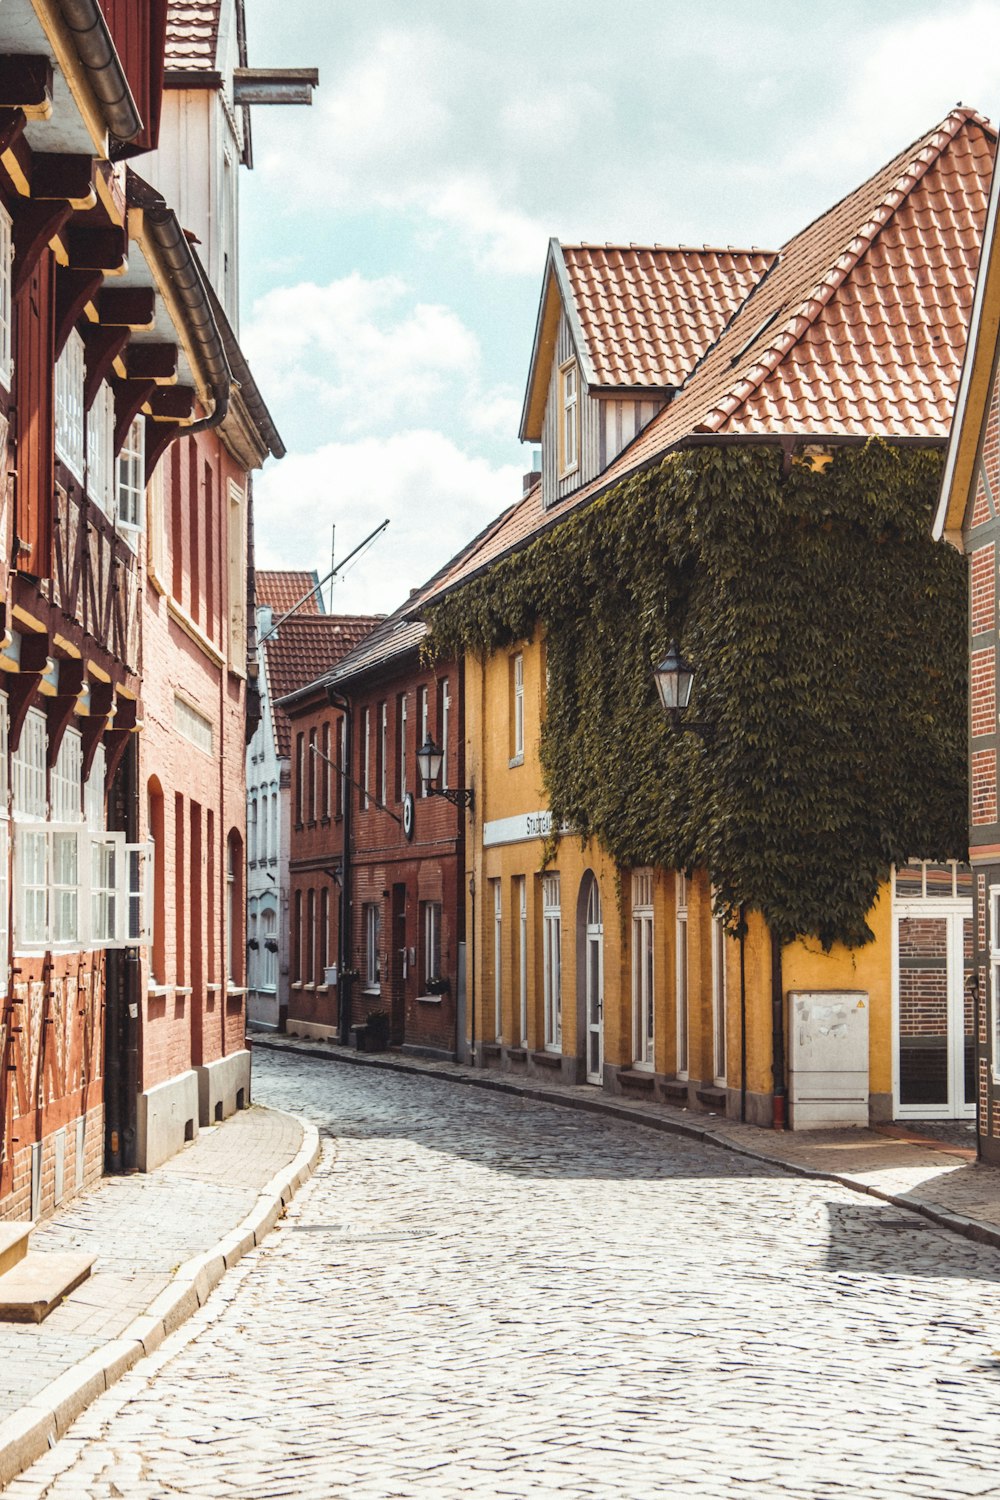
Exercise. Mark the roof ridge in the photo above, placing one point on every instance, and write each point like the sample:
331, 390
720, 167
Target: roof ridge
673, 249
919, 156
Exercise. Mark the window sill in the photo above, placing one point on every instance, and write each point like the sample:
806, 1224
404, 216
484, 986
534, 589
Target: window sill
182, 989
296, 984
516, 760
155, 991
325, 820
322, 989
368, 990
235, 991
213, 989
429, 999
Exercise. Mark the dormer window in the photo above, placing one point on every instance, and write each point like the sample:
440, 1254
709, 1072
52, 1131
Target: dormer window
69, 405
569, 418
6, 261
100, 449
131, 472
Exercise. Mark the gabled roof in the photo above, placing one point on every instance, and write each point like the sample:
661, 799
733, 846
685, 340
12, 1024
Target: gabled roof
282, 588
304, 647
857, 331
642, 316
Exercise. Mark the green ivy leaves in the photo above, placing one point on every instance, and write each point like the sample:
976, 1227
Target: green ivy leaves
828, 633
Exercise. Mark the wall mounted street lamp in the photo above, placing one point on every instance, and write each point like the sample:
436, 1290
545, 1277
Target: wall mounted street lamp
674, 678
430, 759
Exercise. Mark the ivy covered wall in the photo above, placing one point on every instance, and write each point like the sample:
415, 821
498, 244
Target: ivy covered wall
828, 633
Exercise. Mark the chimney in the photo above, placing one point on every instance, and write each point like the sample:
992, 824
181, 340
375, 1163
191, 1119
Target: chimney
530, 480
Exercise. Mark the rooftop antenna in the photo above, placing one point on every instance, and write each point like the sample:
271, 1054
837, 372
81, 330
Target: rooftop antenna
318, 586
333, 560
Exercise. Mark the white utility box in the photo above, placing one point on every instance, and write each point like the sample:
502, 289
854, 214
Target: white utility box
828, 1058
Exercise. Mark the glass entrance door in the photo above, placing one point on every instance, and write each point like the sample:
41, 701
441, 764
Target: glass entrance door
935, 1011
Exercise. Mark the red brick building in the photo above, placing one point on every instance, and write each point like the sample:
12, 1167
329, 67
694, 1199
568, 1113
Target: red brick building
969, 517
293, 652
377, 866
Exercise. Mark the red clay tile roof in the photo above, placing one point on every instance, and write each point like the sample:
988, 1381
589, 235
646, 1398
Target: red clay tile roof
858, 330
282, 588
649, 312
304, 648
192, 35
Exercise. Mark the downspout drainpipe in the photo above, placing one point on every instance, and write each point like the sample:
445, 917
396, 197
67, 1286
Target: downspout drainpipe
344, 979
743, 1013
85, 22
778, 1034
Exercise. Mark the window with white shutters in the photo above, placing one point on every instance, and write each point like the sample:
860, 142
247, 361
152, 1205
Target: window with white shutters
100, 450
131, 477
69, 404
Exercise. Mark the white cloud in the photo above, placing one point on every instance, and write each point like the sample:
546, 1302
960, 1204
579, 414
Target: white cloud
437, 498
905, 77
359, 351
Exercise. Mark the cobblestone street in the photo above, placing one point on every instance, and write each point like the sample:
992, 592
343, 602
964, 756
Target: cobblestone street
482, 1295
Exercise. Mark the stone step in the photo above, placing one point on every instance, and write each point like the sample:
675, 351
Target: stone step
13, 1244
38, 1283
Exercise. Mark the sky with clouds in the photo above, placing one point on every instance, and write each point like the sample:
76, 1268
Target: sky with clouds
394, 233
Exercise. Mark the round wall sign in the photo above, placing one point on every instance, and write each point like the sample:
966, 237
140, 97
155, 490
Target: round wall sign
408, 815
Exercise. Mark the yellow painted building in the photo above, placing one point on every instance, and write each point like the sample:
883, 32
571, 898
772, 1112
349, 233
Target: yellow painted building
623, 978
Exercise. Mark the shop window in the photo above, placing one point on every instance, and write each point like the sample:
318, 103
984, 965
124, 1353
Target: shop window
372, 917
552, 961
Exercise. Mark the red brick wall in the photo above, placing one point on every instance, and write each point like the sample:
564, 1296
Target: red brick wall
430, 868
983, 588
185, 648
982, 689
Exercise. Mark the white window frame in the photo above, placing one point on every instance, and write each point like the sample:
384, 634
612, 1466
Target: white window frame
268, 928
6, 297
445, 729
518, 671
93, 793
552, 960
719, 1052
432, 940
402, 747
373, 935
130, 486
70, 416
101, 474
31, 888
681, 971
497, 959
66, 781
569, 418
423, 710
643, 971
522, 965
366, 779
383, 742
29, 768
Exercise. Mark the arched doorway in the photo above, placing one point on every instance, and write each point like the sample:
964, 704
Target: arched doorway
590, 924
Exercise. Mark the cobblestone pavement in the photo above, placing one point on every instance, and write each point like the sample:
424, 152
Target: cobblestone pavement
141, 1228
483, 1295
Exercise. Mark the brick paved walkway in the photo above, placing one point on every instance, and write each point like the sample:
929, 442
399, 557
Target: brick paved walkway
489, 1296
142, 1228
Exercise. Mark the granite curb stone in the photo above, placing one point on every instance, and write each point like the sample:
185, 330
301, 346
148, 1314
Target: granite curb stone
27, 1433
